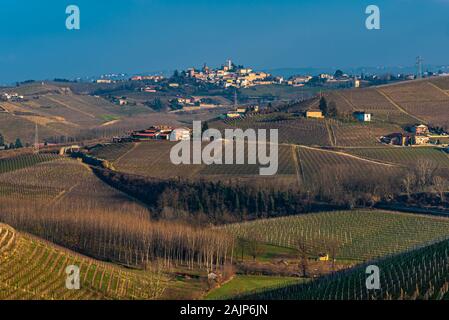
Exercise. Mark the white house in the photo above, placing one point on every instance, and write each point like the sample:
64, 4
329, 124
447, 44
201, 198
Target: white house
363, 116
180, 134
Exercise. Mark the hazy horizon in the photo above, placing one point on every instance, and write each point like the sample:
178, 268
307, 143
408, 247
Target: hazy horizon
140, 36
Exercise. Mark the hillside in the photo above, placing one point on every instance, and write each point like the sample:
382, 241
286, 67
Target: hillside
417, 274
34, 269
362, 234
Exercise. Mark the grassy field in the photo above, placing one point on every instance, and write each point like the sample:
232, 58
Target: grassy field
362, 234
242, 284
35, 269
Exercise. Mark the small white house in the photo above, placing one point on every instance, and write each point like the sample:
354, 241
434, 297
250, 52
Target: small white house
363, 116
180, 134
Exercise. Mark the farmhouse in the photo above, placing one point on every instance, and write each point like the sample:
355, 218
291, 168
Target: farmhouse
398, 139
420, 129
152, 133
316, 114
363, 116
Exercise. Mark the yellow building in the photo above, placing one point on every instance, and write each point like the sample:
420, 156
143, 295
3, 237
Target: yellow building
323, 257
314, 114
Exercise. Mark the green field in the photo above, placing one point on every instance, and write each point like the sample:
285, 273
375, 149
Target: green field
362, 234
242, 284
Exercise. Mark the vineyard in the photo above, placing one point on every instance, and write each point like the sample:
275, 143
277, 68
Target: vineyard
20, 162
35, 269
324, 167
363, 234
152, 159
422, 99
371, 100
417, 274
406, 156
291, 131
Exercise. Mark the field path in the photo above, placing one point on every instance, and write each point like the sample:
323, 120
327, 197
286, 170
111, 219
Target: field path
390, 165
438, 88
331, 133
353, 106
299, 172
399, 107
126, 153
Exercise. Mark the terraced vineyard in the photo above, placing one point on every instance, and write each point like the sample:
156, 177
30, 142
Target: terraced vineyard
34, 269
417, 274
363, 234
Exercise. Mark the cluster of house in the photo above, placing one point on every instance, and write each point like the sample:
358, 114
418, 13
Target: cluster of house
343, 80
157, 133
11, 96
241, 111
419, 135
154, 78
230, 75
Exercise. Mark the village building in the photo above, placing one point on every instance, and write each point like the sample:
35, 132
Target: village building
398, 139
420, 129
422, 139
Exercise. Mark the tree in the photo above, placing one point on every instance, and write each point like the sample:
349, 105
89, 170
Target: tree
441, 185
323, 106
18, 144
425, 170
332, 247
2, 140
254, 244
338, 74
408, 184
332, 109
304, 250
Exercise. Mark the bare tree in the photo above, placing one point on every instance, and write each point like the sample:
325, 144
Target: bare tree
408, 184
425, 170
441, 185
332, 247
304, 248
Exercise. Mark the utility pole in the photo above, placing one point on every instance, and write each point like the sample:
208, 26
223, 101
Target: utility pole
419, 61
36, 139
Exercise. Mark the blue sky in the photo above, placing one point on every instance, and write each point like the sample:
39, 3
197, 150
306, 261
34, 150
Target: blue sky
148, 35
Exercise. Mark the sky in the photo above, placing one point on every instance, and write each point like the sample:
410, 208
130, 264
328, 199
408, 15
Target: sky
137, 36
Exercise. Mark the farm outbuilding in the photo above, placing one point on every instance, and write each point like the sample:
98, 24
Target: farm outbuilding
363, 116
314, 114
